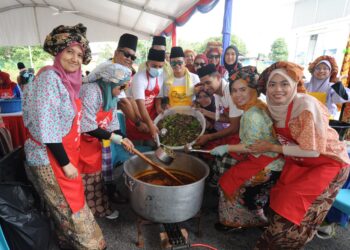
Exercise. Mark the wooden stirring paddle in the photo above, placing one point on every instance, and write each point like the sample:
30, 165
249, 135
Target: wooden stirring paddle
158, 167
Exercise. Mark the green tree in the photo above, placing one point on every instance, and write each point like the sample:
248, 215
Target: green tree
12, 55
199, 47
105, 53
143, 47
279, 50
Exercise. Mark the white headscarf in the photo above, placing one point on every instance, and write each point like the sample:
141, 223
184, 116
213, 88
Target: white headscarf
301, 102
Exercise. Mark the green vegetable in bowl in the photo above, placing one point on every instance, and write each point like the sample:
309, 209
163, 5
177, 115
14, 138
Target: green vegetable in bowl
181, 129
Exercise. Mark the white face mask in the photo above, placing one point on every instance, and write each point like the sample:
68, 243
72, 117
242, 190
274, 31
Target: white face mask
155, 72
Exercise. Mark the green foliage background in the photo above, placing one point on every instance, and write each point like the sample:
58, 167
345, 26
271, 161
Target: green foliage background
9, 56
279, 50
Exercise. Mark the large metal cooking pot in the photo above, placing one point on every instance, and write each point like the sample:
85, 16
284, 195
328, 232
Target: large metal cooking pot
166, 204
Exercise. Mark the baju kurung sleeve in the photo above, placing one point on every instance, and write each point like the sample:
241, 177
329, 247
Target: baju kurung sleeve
91, 98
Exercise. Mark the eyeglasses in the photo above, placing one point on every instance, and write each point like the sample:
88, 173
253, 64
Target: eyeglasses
128, 55
199, 64
123, 87
174, 63
202, 96
214, 56
321, 68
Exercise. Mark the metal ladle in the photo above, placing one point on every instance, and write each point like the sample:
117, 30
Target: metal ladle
189, 149
163, 153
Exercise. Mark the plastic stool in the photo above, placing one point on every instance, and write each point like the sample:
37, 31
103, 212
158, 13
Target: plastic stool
342, 201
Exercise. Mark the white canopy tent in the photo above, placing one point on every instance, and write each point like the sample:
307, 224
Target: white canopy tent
27, 22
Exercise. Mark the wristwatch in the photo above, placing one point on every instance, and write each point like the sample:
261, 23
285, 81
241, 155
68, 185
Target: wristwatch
138, 122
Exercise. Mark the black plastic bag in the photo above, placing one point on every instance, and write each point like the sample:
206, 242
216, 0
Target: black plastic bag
12, 167
24, 227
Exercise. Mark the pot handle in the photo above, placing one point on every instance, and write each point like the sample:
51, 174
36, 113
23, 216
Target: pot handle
130, 183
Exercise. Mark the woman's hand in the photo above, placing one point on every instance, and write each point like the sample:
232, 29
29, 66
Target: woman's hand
202, 110
70, 171
203, 139
128, 145
153, 130
261, 146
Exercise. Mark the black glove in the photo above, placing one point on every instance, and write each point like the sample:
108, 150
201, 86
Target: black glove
340, 90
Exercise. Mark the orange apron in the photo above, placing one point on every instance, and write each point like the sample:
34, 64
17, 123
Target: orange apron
302, 180
72, 189
91, 148
150, 96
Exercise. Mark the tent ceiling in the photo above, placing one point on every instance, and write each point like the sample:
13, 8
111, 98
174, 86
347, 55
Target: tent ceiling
27, 22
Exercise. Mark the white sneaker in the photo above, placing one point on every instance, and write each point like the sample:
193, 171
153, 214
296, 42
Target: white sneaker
114, 215
326, 232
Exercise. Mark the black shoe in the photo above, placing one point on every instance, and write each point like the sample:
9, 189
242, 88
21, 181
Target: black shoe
117, 198
222, 228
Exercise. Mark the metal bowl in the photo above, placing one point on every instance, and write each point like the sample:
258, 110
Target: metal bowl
182, 110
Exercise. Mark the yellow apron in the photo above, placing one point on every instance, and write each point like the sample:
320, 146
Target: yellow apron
177, 96
322, 97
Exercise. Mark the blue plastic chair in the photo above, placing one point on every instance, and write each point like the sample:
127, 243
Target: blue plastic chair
119, 155
342, 201
3, 242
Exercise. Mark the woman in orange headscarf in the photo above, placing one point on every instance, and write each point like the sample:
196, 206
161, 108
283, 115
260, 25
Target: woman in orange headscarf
317, 163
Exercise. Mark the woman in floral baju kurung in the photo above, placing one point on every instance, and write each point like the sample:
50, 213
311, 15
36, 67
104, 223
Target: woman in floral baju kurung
244, 188
51, 114
100, 122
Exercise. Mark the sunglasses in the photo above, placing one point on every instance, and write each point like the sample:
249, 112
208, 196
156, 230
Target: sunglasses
214, 56
123, 87
174, 63
128, 55
199, 64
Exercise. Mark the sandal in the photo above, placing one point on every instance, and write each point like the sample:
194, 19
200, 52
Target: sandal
223, 228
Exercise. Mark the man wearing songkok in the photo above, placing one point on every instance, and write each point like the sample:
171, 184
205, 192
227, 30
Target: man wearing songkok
179, 86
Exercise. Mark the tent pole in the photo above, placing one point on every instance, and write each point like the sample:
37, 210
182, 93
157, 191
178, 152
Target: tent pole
226, 27
30, 57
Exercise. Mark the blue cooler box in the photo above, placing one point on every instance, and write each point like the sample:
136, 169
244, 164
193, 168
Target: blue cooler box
10, 105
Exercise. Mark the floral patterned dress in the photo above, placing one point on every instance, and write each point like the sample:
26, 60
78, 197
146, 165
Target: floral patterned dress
244, 206
48, 115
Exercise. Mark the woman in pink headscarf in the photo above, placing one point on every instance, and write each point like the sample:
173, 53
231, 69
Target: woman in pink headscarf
200, 61
51, 114
214, 56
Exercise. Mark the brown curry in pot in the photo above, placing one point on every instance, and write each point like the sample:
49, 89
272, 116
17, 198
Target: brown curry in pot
156, 178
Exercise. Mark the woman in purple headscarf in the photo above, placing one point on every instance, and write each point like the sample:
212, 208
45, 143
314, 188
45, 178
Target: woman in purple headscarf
324, 83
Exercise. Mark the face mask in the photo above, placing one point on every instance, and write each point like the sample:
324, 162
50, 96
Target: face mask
155, 72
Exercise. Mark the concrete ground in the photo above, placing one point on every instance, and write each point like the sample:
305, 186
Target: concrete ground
121, 234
